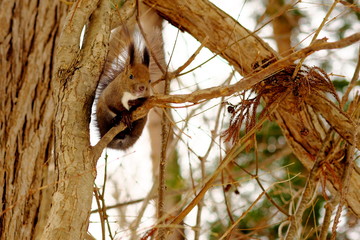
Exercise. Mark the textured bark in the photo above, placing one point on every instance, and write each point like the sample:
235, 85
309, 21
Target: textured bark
77, 72
203, 20
27, 41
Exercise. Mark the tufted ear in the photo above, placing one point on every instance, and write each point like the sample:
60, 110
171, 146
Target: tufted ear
146, 57
131, 57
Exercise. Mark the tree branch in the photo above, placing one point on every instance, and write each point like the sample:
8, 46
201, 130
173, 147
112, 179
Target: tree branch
249, 81
309, 189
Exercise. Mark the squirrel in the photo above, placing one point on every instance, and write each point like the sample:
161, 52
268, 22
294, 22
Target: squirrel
123, 87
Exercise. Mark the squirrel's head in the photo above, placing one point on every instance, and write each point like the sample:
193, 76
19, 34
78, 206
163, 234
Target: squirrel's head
136, 74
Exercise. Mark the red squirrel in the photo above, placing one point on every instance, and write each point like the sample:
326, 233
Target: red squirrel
124, 85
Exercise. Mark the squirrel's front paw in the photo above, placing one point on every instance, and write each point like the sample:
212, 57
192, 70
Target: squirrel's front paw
116, 120
126, 118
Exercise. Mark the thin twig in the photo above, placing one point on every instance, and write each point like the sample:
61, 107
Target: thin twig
257, 178
228, 208
309, 188
200, 204
161, 187
135, 224
238, 147
192, 57
165, 134
102, 198
101, 213
329, 208
171, 55
284, 152
352, 83
241, 217
202, 164
315, 36
177, 72
349, 165
270, 198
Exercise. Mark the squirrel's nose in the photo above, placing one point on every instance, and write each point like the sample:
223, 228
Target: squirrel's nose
141, 88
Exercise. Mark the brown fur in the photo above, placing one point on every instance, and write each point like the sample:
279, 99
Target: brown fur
118, 81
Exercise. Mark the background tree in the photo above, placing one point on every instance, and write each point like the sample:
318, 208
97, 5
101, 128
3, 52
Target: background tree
41, 127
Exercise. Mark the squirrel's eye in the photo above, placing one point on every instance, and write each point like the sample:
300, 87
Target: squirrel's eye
131, 76
149, 80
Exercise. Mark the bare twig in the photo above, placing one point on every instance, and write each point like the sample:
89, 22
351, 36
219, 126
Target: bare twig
227, 204
241, 217
161, 182
202, 164
349, 165
278, 155
177, 72
257, 178
270, 198
135, 224
329, 208
316, 35
165, 135
238, 147
101, 213
102, 198
200, 205
309, 188
352, 83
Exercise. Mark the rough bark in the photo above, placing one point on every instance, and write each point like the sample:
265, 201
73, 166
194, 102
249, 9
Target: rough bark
244, 50
74, 85
236, 44
27, 41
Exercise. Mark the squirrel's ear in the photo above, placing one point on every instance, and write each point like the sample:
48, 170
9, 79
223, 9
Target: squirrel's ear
146, 57
131, 56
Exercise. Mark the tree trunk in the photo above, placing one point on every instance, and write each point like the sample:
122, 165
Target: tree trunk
77, 71
27, 41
